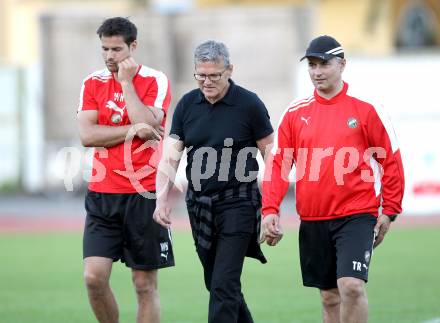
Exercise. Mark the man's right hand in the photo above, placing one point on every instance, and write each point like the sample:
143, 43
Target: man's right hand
147, 132
162, 216
271, 229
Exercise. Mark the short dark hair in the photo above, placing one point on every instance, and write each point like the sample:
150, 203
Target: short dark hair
118, 26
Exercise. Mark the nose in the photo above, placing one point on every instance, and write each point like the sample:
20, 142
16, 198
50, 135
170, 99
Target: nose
317, 71
110, 54
207, 81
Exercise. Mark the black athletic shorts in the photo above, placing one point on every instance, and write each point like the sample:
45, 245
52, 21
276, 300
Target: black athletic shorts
121, 226
336, 248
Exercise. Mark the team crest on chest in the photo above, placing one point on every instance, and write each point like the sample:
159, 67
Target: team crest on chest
116, 118
352, 122
119, 112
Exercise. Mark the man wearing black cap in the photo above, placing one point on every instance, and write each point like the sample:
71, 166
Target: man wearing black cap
348, 165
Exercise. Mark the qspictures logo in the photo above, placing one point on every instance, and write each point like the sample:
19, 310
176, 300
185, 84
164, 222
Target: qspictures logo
209, 162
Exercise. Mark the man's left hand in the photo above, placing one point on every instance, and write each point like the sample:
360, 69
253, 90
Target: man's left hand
381, 228
127, 69
162, 215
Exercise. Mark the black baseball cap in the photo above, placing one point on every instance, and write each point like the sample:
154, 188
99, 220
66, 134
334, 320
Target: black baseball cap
324, 47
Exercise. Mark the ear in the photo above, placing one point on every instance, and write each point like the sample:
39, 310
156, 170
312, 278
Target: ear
230, 69
343, 62
133, 45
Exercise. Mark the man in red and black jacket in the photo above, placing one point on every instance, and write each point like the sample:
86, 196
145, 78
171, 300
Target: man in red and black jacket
349, 183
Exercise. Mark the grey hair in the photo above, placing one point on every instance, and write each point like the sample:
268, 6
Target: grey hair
212, 51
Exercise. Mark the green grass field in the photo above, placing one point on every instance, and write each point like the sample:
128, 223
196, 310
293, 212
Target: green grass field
41, 281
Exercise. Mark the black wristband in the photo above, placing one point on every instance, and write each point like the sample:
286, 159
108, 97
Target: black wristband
392, 217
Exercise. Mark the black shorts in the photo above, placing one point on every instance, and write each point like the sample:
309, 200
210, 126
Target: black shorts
336, 248
121, 226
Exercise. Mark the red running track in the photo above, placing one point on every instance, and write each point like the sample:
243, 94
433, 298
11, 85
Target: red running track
47, 224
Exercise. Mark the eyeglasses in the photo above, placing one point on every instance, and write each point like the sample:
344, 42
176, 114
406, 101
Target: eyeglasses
212, 77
